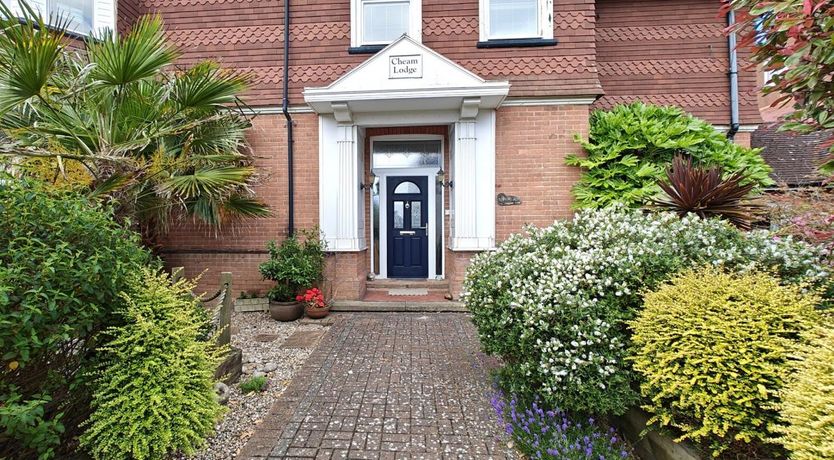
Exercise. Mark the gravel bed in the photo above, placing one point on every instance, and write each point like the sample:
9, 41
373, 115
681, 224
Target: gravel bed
279, 365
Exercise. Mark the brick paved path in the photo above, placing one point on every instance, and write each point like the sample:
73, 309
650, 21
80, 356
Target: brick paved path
387, 386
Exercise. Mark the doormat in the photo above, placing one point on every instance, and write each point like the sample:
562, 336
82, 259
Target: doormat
408, 291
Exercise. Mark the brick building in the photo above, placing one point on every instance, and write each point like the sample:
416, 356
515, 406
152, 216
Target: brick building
426, 131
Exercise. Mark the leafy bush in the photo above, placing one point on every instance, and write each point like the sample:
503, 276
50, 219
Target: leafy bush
712, 349
630, 146
540, 432
63, 261
806, 214
691, 189
554, 303
294, 265
254, 384
807, 400
154, 392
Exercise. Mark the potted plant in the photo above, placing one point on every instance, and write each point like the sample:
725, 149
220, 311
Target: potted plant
314, 304
294, 264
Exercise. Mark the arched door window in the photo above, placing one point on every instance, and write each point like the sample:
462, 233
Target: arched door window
407, 187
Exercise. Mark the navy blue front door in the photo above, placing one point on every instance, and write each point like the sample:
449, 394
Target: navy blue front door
408, 240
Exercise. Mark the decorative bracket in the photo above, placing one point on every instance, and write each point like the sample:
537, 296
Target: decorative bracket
341, 111
469, 107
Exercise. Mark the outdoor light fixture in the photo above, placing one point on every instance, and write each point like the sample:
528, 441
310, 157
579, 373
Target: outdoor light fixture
441, 175
364, 186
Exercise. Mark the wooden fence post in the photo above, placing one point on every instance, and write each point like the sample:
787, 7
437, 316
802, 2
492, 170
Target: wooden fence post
225, 316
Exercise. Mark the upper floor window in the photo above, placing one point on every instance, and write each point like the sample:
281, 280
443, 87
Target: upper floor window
379, 22
77, 13
82, 17
516, 19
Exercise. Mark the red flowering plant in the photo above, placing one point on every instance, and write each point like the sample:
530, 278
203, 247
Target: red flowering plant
312, 298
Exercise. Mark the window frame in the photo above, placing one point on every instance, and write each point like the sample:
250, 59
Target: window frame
103, 16
545, 24
53, 10
415, 22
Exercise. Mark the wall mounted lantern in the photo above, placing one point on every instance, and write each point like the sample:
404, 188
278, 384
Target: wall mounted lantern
441, 176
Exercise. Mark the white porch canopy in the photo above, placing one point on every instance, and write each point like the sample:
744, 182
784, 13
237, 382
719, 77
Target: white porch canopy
407, 84
406, 76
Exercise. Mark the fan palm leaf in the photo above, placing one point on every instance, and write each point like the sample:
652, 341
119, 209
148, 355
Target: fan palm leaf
142, 54
162, 143
212, 182
206, 86
28, 57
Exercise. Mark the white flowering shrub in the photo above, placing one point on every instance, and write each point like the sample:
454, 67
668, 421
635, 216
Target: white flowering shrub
553, 303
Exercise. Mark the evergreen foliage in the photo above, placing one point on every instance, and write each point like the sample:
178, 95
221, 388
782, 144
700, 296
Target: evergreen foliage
807, 409
154, 391
712, 349
630, 147
63, 262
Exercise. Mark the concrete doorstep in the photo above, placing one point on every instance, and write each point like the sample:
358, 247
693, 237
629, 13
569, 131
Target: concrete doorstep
398, 306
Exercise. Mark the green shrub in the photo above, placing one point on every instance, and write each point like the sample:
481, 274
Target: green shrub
712, 349
295, 264
63, 261
254, 384
807, 409
154, 392
553, 303
630, 146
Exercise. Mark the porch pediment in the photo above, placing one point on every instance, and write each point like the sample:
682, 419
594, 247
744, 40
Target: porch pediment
406, 75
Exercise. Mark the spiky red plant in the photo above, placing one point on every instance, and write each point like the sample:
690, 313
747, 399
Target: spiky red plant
692, 189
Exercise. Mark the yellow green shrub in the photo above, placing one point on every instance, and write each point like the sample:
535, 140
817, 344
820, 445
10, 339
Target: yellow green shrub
808, 400
712, 350
66, 174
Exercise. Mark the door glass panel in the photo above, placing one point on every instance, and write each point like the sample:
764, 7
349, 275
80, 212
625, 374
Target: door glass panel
399, 214
407, 187
406, 154
416, 214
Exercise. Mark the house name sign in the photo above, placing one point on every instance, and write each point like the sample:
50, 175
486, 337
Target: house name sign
405, 66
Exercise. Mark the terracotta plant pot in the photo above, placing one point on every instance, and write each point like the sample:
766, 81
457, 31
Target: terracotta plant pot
317, 313
285, 311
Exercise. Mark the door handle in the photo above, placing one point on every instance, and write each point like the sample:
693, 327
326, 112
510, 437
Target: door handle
407, 232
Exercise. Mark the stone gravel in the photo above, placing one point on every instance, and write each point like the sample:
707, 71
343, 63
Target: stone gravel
260, 357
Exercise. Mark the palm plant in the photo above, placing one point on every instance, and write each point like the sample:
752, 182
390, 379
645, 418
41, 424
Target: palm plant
162, 143
691, 189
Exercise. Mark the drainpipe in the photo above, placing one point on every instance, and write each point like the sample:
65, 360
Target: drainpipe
285, 109
731, 41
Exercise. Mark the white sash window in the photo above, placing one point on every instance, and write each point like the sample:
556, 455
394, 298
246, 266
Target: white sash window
380, 22
81, 16
516, 19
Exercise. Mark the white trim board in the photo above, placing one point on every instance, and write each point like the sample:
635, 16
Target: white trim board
545, 101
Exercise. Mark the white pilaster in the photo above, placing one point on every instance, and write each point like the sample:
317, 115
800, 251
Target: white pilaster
340, 173
473, 192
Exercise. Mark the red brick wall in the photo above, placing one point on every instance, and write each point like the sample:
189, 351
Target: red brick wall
743, 139
127, 12
243, 244
670, 52
249, 36
531, 145
346, 274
